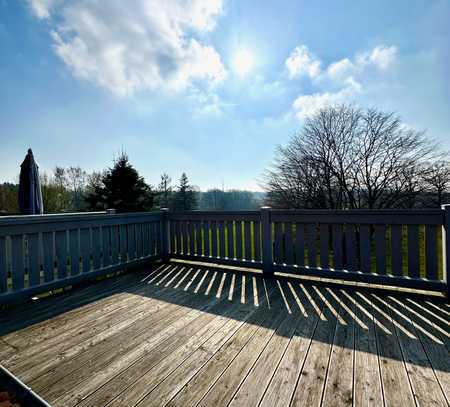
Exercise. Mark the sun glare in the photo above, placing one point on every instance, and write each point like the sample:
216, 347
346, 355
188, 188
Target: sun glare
243, 62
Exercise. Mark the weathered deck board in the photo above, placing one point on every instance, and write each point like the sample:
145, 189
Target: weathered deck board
181, 335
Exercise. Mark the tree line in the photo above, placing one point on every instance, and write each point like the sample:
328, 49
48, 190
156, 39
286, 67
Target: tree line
348, 158
121, 187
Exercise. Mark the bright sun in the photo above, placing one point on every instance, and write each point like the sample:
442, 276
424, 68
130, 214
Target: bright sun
243, 62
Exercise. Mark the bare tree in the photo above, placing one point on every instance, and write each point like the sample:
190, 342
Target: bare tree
348, 158
437, 180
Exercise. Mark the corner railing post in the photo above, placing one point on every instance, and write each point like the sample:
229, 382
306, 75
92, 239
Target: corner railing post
266, 235
446, 247
165, 234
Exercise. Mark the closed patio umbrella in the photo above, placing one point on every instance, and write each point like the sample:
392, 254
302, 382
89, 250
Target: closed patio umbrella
30, 194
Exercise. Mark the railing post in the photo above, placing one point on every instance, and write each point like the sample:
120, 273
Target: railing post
110, 211
446, 247
266, 236
165, 234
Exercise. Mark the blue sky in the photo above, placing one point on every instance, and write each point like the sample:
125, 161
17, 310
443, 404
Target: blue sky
209, 87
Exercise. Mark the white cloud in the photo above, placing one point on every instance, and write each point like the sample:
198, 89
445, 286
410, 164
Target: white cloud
381, 56
135, 45
302, 63
308, 105
341, 69
41, 8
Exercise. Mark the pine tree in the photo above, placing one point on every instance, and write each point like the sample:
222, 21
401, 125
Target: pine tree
120, 188
186, 195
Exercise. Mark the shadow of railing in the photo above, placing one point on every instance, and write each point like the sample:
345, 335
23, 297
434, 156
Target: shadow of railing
395, 323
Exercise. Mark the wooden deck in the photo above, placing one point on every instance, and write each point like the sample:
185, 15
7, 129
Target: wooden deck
180, 335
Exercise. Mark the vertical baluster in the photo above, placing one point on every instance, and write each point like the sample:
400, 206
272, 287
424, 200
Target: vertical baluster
34, 267
85, 246
123, 243
191, 238
96, 247
17, 262
247, 241
206, 237
177, 227
380, 248
173, 240
213, 238
158, 237
288, 243
364, 241
3, 266
300, 244
131, 242
431, 252
397, 250
74, 252
324, 240
47, 240
222, 239
257, 240
230, 238
198, 239
145, 239
138, 230
114, 244
413, 251
185, 237
351, 262
337, 246
106, 246
277, 248
311, 240
61, 252
238, 230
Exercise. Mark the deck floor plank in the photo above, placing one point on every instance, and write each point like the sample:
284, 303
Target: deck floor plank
186, 335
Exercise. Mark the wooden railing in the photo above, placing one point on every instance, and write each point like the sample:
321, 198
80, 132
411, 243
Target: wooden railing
404, 248
39, 253
399, 247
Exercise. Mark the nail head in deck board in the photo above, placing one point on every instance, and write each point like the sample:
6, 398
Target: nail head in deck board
397, 250
413, 251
